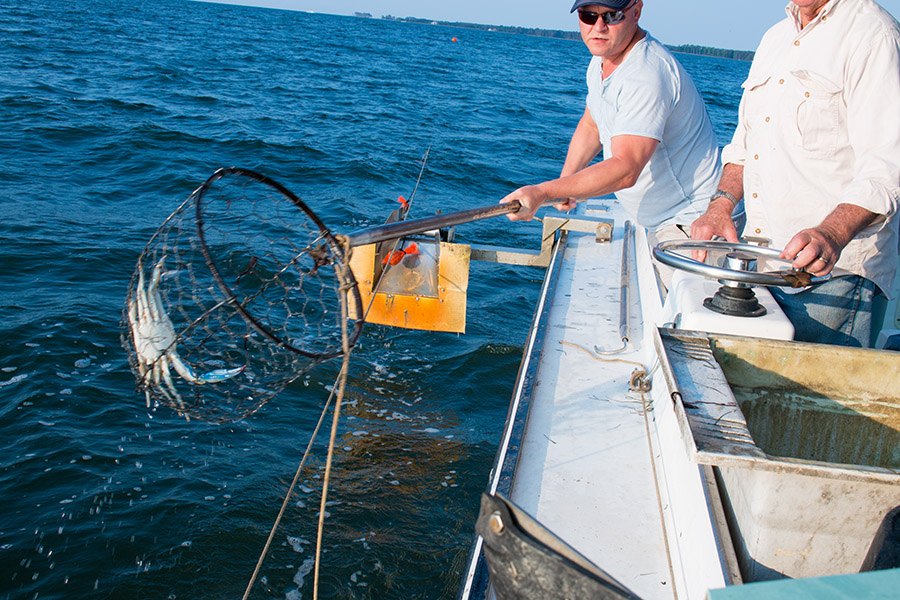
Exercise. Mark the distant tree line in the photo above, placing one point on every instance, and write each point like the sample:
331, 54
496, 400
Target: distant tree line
707, 51
572, 35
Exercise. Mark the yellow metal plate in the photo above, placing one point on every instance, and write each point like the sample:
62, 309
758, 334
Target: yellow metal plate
418, 309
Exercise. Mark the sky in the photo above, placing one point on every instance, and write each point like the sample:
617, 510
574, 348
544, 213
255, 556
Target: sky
732, 24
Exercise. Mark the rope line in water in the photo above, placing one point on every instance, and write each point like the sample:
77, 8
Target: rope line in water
342, 377
337, 390
340, 386
287, 498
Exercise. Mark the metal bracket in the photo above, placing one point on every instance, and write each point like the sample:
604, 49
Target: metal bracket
601, 227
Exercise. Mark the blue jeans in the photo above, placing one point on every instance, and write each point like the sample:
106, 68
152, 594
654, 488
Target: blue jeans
837, 312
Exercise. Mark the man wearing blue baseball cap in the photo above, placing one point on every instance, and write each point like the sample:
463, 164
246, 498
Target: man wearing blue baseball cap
645, 114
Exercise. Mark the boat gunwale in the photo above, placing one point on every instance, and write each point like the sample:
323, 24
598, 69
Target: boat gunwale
475, 577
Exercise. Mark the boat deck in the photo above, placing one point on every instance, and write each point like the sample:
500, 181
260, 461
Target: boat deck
586, 469
665, 489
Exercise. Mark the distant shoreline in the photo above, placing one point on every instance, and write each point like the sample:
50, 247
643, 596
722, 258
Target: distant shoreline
745, 55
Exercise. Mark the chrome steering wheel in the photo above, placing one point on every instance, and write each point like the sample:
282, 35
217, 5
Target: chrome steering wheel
664, 252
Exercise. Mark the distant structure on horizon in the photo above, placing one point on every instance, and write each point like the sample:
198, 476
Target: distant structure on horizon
363, 15
746, 55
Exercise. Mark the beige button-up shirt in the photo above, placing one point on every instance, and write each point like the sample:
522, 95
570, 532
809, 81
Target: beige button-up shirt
819, 125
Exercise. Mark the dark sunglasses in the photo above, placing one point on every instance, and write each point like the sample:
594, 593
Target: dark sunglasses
610, 18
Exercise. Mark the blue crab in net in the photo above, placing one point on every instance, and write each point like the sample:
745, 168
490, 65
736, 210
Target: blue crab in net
154, 340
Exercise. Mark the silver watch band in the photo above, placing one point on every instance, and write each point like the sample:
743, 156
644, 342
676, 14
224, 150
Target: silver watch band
724, 194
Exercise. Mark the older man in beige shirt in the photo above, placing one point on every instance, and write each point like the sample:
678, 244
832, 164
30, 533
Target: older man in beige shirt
816, 157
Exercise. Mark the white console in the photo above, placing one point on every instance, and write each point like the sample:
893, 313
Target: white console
685, 310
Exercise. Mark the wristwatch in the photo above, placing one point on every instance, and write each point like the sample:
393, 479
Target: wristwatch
724, 194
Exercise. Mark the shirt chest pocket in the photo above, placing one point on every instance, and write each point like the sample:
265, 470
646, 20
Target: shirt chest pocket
755, 93
818, 115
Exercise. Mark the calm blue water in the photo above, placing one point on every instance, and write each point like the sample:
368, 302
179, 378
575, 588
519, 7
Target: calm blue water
111, 113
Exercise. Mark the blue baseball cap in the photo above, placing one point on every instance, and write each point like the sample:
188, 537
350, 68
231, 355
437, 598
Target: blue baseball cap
613, 4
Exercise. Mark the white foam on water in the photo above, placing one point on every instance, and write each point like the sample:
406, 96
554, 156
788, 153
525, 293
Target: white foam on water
297, 544
304, 570
14, 380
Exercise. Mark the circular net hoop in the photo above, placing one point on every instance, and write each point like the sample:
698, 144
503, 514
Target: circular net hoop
237, 295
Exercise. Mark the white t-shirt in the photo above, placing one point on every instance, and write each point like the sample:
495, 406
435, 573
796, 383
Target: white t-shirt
651, 95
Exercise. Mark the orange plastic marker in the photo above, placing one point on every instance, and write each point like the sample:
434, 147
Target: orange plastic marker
394, 257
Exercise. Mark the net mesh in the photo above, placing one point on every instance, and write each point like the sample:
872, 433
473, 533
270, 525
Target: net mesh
236, 295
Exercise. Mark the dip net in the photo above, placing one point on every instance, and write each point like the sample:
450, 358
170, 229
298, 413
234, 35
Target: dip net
240, 292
